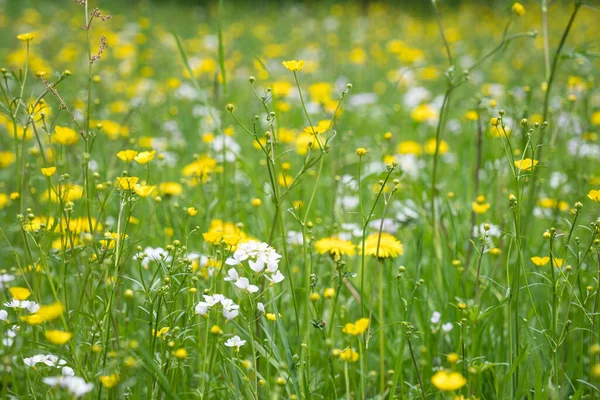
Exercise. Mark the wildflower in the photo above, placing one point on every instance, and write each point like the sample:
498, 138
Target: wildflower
216, 330
65, 136
271, 317
329, 293
361, 152
47, 359
58, 337
349, 355
26, 37
73, 384
31, 306
357, 328
19, 293
494, 121
191, 211
409, 147
143, 191
110, 381
235, 342
145, 157
518, 9
480, 206
526, 164
162, 332
314, 297
594, 195
256, 202
127, 182
49, 171
180, 353
447, 327
259, 256
448, 381
281, 380
335, 246
383, 246
540, 261
127, 155
430, 145
170, 188
44, 313
435, 317
293, 65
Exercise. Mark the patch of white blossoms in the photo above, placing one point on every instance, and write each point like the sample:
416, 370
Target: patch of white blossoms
230, 310
261, 258
73, 384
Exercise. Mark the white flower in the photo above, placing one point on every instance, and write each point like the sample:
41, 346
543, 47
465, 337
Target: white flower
435, 317
447, 327
68, 371
3, 315
235, 342
31, 306
48, 359
276, 277
232, 275
244, 284
261, 307
5, 278
75, 385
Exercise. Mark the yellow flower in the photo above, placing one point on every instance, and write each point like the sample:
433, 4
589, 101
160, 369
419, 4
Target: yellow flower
271, 317
58, 337
127, 155
540, 261
594, 195
25, 37
162, 332
145, 157
6, 158
558, 262
423, 113
19, 293
48, 171
480, 206
170, 188
329, 293
409, 147
357, 328
429, 147
389, 246
127, 182
256, 202
349, 355
192, 211
180, 353
293, 65
335, 246
65, 136
216, 330
143, 191
110, 381
518, 9
472, 115
361, 152
45, 313
213, 237
526, 164
448, 381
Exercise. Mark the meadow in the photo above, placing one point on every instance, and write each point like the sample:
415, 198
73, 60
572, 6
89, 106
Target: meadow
299, 200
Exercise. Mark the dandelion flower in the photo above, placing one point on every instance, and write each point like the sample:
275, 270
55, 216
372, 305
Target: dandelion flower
335, 246
385, 247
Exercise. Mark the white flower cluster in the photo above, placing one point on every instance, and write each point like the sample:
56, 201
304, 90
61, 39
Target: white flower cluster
50, 360
261, 258
31, 306
75, 385
230, 309
152, 254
